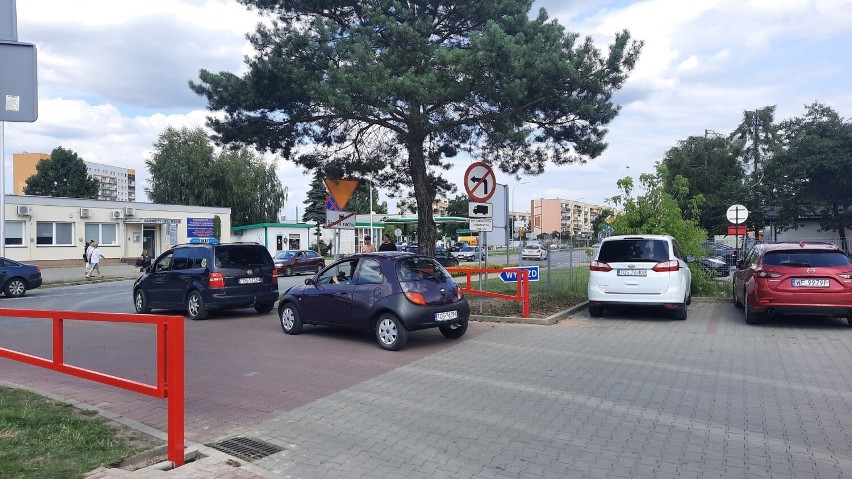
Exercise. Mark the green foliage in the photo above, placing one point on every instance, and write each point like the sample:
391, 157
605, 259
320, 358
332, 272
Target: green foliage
810, 176
656, 211
217, 227
359, 202
391, 90
185, 170
714, 171
63, 175
315, 200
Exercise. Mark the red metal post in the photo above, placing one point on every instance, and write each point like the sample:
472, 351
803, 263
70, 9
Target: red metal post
58, 342
175, 389
525, 278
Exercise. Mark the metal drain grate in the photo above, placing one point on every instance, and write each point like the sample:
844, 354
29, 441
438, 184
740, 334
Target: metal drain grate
246, 448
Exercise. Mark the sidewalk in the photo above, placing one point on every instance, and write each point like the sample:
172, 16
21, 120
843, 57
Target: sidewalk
73, 273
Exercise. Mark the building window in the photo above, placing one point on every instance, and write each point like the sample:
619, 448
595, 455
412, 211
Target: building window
14, 233
48, 233
103, 233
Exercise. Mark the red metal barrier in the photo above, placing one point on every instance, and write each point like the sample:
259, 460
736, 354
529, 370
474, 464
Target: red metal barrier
522, 294
170, 363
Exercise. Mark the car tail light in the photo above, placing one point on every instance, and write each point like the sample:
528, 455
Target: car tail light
459, 294
760, 273
663, 266
274, 275
845, 275
415, 297
216, 280
599, 266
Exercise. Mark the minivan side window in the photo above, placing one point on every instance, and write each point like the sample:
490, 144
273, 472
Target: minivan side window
165, 262
181, 259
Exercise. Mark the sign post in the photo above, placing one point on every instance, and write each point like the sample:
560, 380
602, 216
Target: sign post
737, 214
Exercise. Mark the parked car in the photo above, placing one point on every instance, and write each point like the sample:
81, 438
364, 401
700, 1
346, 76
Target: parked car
457, 246
794, 278
389, 294
198, 278
17, 278
298, 261
534, 251
716, 265
713, 248
470, 253
640, 270
442, 254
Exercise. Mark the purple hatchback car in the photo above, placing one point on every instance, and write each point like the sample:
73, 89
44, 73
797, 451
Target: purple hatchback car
388, 293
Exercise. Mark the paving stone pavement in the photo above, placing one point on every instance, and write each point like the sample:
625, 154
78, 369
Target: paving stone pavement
629, 395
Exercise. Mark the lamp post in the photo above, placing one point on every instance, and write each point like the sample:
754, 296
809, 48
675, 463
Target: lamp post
512, 219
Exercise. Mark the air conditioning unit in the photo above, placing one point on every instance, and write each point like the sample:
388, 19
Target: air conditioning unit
85, 212
25, 210
116, 214
129, 211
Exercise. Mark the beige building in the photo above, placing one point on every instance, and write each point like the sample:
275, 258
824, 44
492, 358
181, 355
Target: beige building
569, 218
115, 184
43, 228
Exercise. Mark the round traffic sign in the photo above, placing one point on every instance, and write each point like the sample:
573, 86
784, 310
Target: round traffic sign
737, 214
479, 182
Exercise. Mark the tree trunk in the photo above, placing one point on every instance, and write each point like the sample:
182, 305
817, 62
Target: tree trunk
425, 223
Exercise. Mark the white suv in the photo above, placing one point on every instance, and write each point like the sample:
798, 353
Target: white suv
640, 270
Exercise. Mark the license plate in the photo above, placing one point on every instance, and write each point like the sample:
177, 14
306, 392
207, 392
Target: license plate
256, 279
632, 272
446, 315
810, 283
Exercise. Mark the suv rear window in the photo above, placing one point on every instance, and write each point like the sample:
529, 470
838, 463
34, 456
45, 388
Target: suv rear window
804, 258
231, 256
639, 250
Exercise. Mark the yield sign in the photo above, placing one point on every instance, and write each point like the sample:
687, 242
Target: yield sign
479, 182
341, 190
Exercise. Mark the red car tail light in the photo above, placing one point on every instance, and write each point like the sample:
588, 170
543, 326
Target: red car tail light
664, 266
760, 273
415, 297
845, 275
274, 275
459, 294
216, 280
599, 266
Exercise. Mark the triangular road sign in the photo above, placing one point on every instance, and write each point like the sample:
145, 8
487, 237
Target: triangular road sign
341, 190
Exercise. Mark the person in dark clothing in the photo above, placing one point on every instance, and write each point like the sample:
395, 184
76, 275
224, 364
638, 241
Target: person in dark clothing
386, 244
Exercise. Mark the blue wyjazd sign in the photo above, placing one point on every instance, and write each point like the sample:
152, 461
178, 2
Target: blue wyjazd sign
511, 275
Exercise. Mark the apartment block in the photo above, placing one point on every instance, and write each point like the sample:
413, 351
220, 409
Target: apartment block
115, 184
568, 218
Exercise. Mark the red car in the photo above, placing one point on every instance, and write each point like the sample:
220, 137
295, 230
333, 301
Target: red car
298, 261
794, 278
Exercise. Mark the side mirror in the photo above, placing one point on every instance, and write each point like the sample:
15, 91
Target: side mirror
740, 264
690, 259
309, 281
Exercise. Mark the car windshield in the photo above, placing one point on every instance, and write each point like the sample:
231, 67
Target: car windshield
419, 268
532, 246
805, 258
468, 248
630, 249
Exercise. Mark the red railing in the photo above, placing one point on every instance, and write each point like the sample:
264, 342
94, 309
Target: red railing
170, 363
523, 291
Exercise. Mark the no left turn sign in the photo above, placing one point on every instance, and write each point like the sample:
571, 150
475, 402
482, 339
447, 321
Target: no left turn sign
479, 182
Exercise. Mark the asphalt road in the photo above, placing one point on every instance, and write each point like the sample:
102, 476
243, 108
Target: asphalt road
632, 394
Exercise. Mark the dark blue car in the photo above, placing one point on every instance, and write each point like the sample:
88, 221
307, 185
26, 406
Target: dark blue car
387, 293
17, 278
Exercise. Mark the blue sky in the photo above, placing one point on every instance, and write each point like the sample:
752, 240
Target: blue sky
112, 78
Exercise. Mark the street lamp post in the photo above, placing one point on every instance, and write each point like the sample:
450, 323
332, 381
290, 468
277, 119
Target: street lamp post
513, 222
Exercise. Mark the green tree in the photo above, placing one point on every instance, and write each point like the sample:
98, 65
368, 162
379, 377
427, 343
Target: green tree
359, 202
315, 200
711, 166
657, 211
63, 175
809, 177
600, 220
456, 207
393, 89
186, 170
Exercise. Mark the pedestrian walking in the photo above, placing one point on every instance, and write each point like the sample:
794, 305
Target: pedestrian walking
386, 244
86, 251
95, 257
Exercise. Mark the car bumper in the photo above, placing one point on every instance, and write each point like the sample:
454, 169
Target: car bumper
781, 303
223, 300
671, 297
416, 317
34, 283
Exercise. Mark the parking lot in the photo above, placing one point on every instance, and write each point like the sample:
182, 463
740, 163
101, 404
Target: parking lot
626, 395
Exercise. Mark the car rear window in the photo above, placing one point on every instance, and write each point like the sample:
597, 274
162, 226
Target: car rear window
638, 250
805, 258
233, 256
419, 268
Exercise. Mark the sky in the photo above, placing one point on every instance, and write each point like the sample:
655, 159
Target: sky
112, 78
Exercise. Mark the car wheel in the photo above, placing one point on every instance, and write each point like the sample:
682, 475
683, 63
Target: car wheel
264, 308
849, 320
291, 323
595, 311
680, 313
737, 303
454, 331
390, 333
140, 302
689, 298
15, 288
288, 271
195, 306
750, 316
